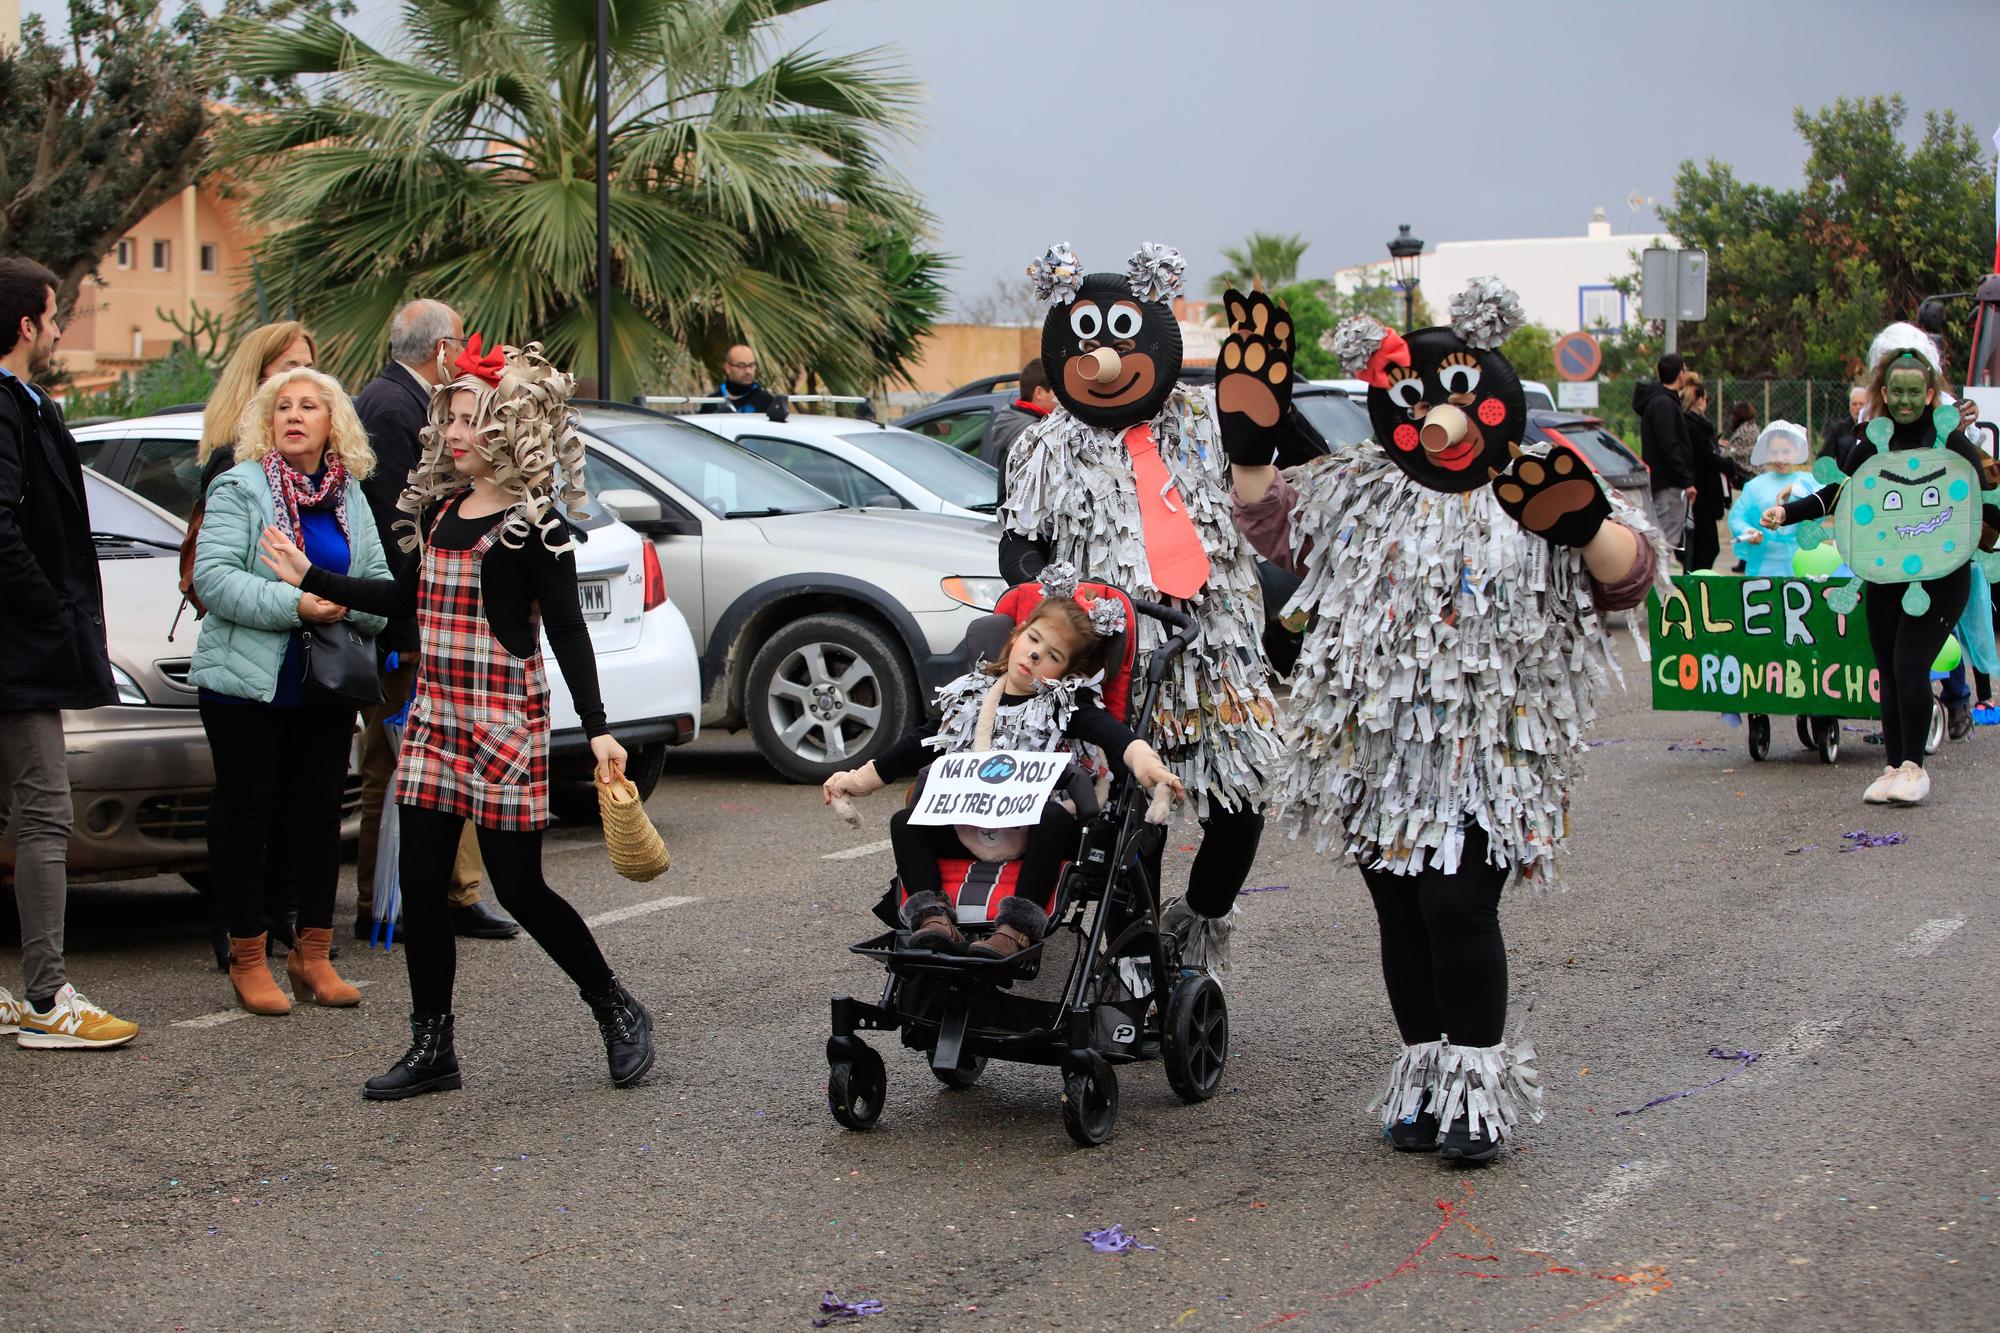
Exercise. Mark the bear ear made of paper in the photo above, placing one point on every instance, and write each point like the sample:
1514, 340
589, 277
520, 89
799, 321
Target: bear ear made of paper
1367, 348
1057, 274
1485, 313
1156, 272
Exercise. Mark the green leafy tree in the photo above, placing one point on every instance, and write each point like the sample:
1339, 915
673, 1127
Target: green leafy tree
1312, 316
1531, 350
1266, 261
750, 196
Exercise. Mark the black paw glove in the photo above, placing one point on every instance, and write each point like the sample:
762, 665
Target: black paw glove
1253, 379
1555, 497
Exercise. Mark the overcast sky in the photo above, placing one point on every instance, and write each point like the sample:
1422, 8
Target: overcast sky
1111, 123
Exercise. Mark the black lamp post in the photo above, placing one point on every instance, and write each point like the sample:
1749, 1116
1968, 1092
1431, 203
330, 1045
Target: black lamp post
1406, 254
604, 199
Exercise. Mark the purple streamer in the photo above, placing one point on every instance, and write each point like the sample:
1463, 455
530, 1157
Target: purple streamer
1744, 1059
1695, 747
1114, 1239
1861, 838
833, 1310
1266, 888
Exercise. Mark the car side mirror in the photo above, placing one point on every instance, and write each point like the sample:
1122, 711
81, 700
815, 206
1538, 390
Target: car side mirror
644, 513
886, 500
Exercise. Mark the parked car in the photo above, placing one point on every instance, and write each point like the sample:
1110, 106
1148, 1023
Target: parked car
1614, 460
866, 465
823, 629
646, 666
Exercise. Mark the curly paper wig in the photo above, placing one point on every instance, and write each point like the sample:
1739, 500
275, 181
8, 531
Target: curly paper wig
526, 429
347, 438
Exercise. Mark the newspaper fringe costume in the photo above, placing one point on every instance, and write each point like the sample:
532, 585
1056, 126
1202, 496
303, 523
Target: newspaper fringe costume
1037, 723
1072, 484
1450, 672
1496, 1087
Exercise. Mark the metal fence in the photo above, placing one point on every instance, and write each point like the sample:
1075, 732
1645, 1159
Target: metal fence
1810, 403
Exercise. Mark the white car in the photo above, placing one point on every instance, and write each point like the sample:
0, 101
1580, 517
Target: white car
865, 465
647, 670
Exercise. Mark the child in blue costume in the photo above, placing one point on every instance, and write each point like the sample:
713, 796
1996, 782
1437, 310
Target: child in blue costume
1783, 455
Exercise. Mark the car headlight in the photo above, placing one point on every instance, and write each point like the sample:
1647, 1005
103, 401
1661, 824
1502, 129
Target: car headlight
128, 689
982, 594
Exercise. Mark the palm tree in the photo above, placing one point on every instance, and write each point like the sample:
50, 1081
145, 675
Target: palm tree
750, 199
1266, 261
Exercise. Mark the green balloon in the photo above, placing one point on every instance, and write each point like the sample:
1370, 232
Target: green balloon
1819, 562
1948, 656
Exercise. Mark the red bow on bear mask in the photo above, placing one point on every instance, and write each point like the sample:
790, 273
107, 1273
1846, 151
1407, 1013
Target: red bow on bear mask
488, 367
1392, 352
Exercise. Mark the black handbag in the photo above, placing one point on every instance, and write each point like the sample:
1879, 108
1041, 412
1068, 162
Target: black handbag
340, 660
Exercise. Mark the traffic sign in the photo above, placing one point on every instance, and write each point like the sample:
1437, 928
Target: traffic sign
1578, 357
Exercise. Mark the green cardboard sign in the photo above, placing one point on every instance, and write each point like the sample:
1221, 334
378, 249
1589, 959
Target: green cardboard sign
1727, 643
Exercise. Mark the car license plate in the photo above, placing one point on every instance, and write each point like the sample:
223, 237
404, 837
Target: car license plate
595, 594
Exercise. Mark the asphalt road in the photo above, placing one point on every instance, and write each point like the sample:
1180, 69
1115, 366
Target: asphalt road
226, 1174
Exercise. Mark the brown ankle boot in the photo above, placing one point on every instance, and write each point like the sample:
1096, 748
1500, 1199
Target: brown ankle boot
1004, 942
251, 976
313, 977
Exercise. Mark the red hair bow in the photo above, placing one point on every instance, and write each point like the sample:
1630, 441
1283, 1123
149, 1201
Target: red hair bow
1392, 352
489, 367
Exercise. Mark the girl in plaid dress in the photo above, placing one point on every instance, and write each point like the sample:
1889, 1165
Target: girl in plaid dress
501, 453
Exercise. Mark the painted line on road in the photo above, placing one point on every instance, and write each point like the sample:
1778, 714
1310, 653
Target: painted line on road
850, 853
636, 909
221, 1016
1600, 1203
1810, 1035
1924, 940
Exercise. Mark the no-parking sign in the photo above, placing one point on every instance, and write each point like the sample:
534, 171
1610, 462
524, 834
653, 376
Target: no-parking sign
1578, 357
989, 788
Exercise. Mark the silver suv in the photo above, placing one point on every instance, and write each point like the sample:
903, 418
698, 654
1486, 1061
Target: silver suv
821, 628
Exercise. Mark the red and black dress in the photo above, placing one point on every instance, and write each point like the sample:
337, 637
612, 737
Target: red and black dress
477, 744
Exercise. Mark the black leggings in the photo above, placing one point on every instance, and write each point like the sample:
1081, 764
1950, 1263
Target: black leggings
1905, 646
1442, 956
514, 864
919, 847
279, 775
1229, 841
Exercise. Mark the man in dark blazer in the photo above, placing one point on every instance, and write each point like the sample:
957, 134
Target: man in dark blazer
52, 657
394, 407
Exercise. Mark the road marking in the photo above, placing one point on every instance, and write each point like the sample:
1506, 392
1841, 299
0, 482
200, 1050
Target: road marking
850, 853
1597, 1205
221, 1016
636, 909
1925, 939
1810, 1035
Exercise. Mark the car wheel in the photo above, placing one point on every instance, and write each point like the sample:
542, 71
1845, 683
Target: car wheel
577, 801
827, 693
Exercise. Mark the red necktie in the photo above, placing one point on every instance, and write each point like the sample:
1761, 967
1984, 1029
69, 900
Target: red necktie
1173, 548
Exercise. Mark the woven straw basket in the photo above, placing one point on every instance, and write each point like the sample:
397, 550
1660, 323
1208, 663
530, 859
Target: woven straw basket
637, 851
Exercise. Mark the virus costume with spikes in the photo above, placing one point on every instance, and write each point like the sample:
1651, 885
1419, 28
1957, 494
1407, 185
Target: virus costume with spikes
1127, 480
1457, 586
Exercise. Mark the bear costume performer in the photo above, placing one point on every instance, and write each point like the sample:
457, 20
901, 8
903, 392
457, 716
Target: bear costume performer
1128, 480
1456, 585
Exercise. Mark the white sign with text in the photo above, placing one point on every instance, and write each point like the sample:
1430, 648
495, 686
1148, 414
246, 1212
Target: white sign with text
989, 788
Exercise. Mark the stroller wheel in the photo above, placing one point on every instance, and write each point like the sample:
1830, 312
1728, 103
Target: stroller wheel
964, 1076
1939, 728
1090, 1102
1805, 725
855, 1089
1826, 735
1196, 1038
1760, 737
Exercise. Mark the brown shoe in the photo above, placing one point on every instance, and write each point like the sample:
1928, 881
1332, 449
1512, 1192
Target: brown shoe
251, 976
313, 977
1004, 942
932, 924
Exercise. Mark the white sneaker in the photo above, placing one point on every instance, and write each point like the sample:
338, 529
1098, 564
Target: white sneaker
1911, 786
1878, 790
10, 1012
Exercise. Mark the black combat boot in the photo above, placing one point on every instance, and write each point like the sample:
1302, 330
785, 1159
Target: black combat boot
628, 1033
430, 1065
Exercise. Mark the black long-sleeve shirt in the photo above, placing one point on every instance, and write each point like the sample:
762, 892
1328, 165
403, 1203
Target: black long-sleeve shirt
513, 580
1918, 434
1089, 723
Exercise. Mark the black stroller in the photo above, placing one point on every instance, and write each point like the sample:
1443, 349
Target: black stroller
1104, 986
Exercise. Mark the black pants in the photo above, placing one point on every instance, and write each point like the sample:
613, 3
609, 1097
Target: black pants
919, 847
1905, 646
1704, 544
1229, 841
514, 864
279, 773
1443, 959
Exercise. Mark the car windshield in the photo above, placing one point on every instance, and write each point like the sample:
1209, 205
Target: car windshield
724, 478
954, 477
113, 511
1338, 421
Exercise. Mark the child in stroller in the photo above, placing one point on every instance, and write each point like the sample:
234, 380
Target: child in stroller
1043, 692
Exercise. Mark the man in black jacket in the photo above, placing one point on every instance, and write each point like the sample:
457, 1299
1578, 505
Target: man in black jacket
394, 408
1034, 401
52, 657
740, 390
1664, 446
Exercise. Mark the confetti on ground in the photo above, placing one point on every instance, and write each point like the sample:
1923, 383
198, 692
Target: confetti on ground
1861, 838
1268, 888
1809, 847
1743, 1059
1114, 1239
1696, 747
1609, 740
833, 1310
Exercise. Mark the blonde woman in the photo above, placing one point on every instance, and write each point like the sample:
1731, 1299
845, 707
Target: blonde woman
280, 744
259, 354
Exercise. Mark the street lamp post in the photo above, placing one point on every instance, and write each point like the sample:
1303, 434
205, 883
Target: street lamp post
1406, 254
604, 199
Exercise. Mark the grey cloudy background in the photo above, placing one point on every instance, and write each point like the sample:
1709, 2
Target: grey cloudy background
1111, 123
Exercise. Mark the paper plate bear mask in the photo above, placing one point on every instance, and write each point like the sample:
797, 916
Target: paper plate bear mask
1445, 404
1110, 344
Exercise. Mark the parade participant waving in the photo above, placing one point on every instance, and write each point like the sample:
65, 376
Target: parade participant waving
1041, 694
500, 455
1125, 480
1438, 710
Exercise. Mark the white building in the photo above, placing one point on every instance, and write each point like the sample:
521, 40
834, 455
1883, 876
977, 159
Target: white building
1564, 281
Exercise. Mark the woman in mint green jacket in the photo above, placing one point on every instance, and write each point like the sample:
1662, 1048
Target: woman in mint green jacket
281, 744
